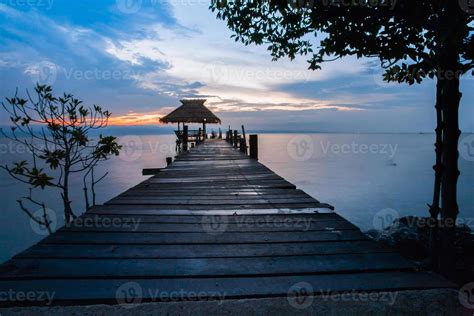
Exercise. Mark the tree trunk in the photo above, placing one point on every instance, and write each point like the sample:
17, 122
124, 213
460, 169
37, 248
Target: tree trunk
68, 213
449, 205
435, 208
438, 167
449, 71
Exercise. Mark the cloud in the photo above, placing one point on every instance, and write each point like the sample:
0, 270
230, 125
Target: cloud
138, 60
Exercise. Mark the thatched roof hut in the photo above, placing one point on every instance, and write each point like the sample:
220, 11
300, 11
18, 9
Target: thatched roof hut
191, 111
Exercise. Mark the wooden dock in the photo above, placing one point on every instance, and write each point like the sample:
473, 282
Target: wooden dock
213, 225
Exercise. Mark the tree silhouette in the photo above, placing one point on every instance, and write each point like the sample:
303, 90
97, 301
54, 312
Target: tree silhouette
55, 130
413, 39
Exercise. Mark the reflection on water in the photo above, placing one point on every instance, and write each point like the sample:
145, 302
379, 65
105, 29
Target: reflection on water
361, 175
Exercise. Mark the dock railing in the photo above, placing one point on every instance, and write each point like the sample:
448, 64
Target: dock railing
239, 141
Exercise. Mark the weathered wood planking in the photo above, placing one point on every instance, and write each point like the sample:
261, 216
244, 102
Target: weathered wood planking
216, 223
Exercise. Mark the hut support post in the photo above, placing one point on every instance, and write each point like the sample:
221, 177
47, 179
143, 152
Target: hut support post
185, 138
198, 138
253, 144
220, 133
204, 133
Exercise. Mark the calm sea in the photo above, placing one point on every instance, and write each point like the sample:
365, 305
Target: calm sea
362, 175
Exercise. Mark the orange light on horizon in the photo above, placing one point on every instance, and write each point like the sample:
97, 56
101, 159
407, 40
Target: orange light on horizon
134, 119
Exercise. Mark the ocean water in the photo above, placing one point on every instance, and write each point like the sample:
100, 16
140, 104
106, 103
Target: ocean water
365, 176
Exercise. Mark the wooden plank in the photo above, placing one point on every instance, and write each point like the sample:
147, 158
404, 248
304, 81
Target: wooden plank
151, 171
202, 267
213, 237
200, 251
210, 203
90, 292
153, 210
198, 219
138, 227
213, 220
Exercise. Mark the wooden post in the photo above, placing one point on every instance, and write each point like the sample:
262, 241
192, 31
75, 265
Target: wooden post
185, 138
243, 145
253, 144
198, 138
169, 160
220, 133
243, 142
236, 140
204, 132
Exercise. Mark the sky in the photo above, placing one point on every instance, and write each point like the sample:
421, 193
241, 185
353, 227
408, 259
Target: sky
138, 58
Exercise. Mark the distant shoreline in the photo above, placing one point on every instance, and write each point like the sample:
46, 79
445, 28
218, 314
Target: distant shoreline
169, 130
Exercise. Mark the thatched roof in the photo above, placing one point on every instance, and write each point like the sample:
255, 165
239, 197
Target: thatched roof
192, 111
